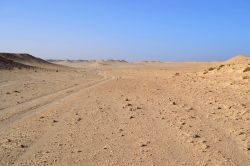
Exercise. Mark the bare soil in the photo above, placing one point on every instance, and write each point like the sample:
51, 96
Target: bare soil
127, 114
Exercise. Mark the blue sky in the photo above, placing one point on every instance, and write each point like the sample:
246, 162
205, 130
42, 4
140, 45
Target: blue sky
167, 30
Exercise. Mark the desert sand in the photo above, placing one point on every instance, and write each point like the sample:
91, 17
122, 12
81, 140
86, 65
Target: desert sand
120, 113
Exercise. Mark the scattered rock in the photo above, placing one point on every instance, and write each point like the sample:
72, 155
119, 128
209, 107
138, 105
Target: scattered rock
205, 72
130, 109
248, 146
143, 144
79, 119
206, 146
196, 136
126, 99
24, 146
129, 104
174, 103
55, 121
131, 117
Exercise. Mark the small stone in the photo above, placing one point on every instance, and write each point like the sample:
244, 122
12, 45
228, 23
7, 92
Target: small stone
7, 93
183, 123
174, 103
126, 99
143, 145
206, 146
23, 146
79, 119
248, 146
241, 133
138, 107
55, 121
196, 136
131, 117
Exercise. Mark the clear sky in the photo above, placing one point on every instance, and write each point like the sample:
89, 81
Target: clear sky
167, 30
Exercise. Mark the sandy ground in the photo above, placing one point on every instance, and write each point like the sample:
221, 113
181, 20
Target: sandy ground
142, 114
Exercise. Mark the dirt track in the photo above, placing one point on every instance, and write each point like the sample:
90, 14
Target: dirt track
132, 116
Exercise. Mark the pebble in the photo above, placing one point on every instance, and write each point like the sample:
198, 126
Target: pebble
23, 146
131, 117
130, 109
196, 136
248, 146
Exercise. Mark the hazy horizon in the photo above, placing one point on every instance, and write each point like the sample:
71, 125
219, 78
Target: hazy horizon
128, 30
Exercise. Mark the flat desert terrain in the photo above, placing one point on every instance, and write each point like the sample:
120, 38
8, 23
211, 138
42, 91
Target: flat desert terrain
110, 112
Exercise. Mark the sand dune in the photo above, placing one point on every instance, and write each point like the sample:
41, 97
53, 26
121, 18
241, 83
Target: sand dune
120, 113
239, 59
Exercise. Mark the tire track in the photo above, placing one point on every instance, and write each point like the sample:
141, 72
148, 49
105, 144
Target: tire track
12, 115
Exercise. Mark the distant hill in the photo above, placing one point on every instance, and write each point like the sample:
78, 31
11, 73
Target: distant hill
89, 63
10, 64
14, 60
26, 59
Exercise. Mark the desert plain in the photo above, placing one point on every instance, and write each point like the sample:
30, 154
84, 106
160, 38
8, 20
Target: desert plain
112, 112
